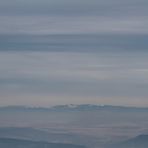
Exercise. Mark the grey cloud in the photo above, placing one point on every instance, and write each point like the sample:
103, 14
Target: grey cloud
48, 17
40, 25
95, 7
82, 75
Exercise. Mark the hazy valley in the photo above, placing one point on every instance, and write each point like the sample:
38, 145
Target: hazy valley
89, 125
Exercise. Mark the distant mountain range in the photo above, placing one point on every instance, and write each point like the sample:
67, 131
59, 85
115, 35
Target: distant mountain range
19, 143
72, 107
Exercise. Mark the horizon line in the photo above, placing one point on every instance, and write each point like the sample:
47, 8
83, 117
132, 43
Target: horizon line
68, 105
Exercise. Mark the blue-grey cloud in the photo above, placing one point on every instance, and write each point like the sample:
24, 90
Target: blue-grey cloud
75, 43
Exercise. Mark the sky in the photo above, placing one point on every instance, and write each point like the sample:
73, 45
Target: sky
74, 52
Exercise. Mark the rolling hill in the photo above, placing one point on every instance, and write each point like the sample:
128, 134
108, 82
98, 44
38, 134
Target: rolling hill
19, 143
140, 141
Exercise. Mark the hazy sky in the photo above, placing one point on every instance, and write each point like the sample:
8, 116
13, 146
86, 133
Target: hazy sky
73, 51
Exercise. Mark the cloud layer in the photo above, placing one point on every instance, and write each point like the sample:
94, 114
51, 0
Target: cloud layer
73, 51
54, 17
58, 78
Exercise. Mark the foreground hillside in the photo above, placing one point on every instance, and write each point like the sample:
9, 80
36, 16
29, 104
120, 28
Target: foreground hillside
17, 143
140, 141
